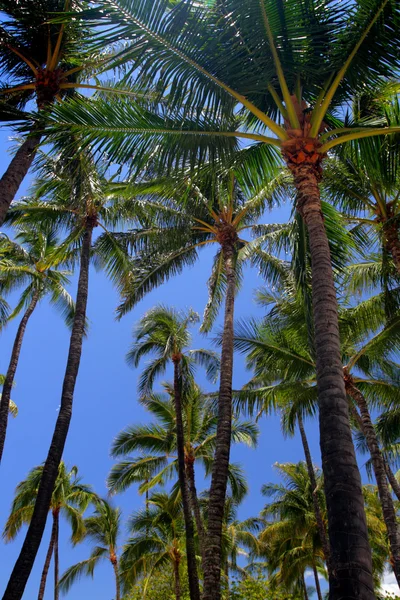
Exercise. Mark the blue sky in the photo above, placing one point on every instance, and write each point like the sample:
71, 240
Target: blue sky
105, 402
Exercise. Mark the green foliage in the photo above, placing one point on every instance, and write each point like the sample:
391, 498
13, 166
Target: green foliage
160, 587
258, 588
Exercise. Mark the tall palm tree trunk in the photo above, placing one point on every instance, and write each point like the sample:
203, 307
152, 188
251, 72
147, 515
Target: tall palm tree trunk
12, 368
114, 562
317, 585
194, 501
392, 478
16, 172
317, 508
351, 562
26, 559
219, 480
56, 516
46, 566
177, 581
389, 514
194, 588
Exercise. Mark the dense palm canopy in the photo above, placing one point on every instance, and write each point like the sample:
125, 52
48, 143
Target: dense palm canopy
211, 114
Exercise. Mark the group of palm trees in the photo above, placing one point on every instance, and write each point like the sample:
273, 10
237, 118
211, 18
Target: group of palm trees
198, 116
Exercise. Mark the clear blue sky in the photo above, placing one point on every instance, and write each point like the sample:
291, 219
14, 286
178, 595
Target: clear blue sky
105, 402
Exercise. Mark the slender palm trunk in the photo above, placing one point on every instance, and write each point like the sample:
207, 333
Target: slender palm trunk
389, 514
194, 588
46, 566
56, 517
26, 559
304, 588
392, 478
317, 508
194, 501
16, 172
351, 563
114, 562
317, 585
12, 368
177, 581
219, 480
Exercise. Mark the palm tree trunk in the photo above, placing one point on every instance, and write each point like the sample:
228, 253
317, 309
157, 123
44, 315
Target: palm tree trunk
317, 508
12, 368
56, 516
177, 581
389, 514
317, 585
46, 567
194, 588
351, 563
219, 480
392, 242
195, 505
16, 172
26, 559
392, 478
114, 562
305, 588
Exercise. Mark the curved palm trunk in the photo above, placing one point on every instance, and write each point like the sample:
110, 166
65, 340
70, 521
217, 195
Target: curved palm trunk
26, 559
317, 585
56, 516
351, 563
46, 566
194, 588
114, 562
317, 508
389, 514
194, 501
177, 581
16, 172
392, 478
12, 368
219, 480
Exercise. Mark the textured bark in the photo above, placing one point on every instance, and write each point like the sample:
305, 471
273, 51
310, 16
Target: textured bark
46, 566
351, 563
194, 501
392, 478
392, 242
12, 368
317, 585
194, 588
216, 504
16, 172
177, 581
317, 508
114, 562
378, 465
26, 559
56, 517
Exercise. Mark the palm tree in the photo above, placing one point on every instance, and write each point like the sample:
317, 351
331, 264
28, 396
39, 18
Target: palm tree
218, 212
239, 71
364, 176
157, 541
32, 261
41, 59
70, 498
164, 333
292, 538
75, 197
103, 528
156, 444
279, 350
